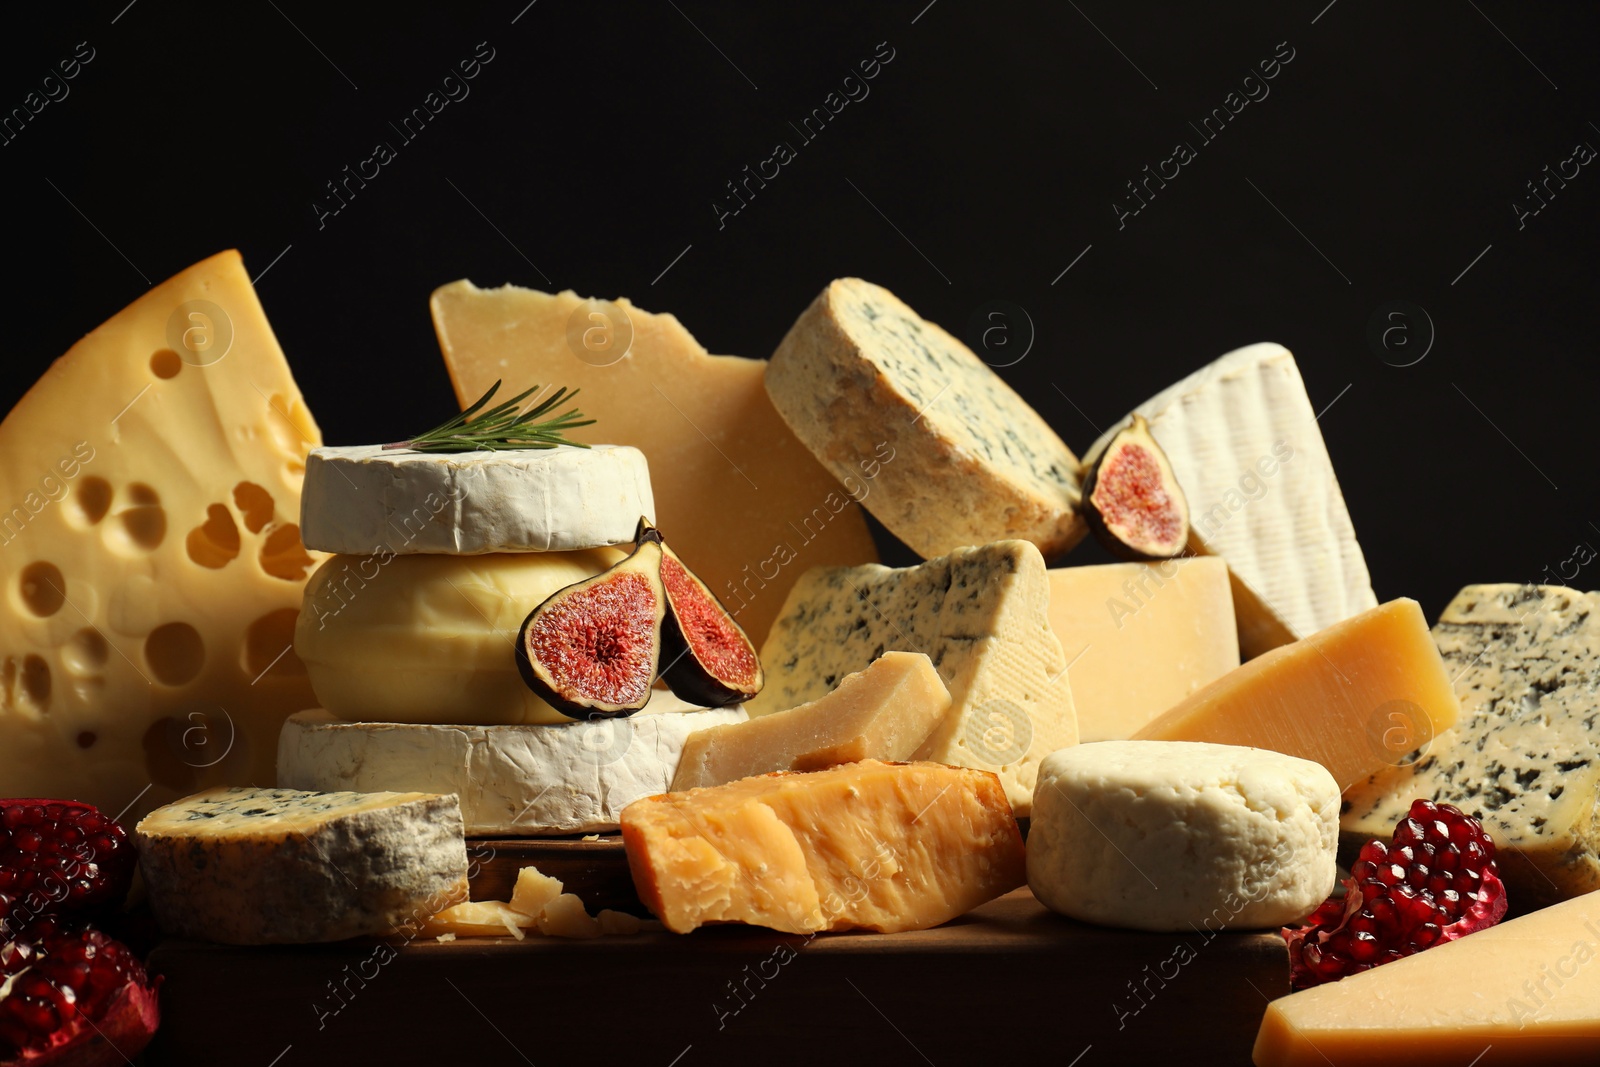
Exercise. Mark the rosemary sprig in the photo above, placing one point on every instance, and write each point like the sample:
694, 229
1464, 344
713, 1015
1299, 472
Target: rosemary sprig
503, 427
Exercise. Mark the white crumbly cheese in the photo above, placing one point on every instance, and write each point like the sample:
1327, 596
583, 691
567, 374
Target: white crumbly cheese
364, 500
248, 866
980, 614
1525, 755
525, 779
1181, 835
947, 454
1243, 441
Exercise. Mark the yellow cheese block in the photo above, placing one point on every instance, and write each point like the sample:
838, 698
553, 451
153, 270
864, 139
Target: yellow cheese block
1141, 637
150, 554
1519, 994
1331, 697
737, 495
884, 711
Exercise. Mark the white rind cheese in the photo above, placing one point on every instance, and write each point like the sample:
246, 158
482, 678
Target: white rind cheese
1181, 835
361, 500
249, 866
980, 614
1243, 441
1525, 755
861, 378
536, 779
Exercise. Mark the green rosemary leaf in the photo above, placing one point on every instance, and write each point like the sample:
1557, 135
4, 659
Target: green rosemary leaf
504, 427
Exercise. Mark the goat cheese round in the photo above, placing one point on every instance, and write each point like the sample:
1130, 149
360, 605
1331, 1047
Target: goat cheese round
365, 500
1182, 835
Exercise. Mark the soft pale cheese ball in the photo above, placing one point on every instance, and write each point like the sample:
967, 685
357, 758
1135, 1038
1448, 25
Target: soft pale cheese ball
1182, 835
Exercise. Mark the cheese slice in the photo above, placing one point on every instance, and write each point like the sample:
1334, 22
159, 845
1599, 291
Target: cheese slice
980, 614
571, 778
739, 498
149, 552
280, 866
1525, 757
1243, 440
1141, 637
860, 376
884, 711
1328, 697
1520, 993
869, 845
365, 499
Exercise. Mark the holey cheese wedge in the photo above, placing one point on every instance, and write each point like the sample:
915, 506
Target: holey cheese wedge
149, 552
737, 495
869, 845
980, 614
1242, 437
1525, 757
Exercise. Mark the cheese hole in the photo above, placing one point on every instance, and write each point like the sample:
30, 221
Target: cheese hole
166, 363
269, 645
92, 499
145, 527
143, 496
34, 687
43, 588
174, 653
85, 652
214, 543
163, 756
87, 738
282, 555
255, 504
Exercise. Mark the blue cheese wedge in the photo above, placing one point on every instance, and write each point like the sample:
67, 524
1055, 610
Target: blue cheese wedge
944, 451
247, 866
980, 614
1525, 755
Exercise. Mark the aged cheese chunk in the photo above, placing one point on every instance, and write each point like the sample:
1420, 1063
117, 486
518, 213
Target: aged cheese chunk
537, 903
884, 711
565, 917
533, 891
1243, 440
430, 638
1328, 697
366, 500
739, 498
980, 614
1180, 835
860, 377
478, 918
567, 778
280, 866
1519, 994
1525, 756
149, 553
869, 845
1141, 637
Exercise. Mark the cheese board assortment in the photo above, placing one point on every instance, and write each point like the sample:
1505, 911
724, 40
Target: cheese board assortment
573, 684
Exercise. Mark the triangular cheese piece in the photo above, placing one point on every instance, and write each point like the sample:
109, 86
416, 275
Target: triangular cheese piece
737, 495
150, 552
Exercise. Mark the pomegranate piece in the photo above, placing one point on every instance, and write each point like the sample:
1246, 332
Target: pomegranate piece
1132, 499
707, 658
1435, 882
60, 857
72, 998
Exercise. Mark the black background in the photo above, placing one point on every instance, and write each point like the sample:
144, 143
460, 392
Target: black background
985, 160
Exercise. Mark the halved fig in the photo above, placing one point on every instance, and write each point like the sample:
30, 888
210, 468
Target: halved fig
706, 658
1132, 499
592, 650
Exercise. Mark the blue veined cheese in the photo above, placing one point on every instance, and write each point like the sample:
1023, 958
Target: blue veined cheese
860, 377
1242, 438
1525, 755
980, 614
367, 499
249, 866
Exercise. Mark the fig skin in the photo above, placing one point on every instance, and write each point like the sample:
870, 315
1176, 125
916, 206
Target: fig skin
684, 673
1136, 433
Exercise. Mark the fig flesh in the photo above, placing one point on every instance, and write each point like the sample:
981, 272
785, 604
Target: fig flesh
706, 658
592, 650
1132, 499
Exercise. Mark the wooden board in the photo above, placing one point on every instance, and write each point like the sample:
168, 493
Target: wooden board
1009, 980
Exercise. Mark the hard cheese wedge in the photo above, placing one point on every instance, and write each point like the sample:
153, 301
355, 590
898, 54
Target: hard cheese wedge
151, 559
1525, 757
980, 614
870, 845
1329, 697
884, 711
737, 495
1242, 437
1520, 993
1141, 637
